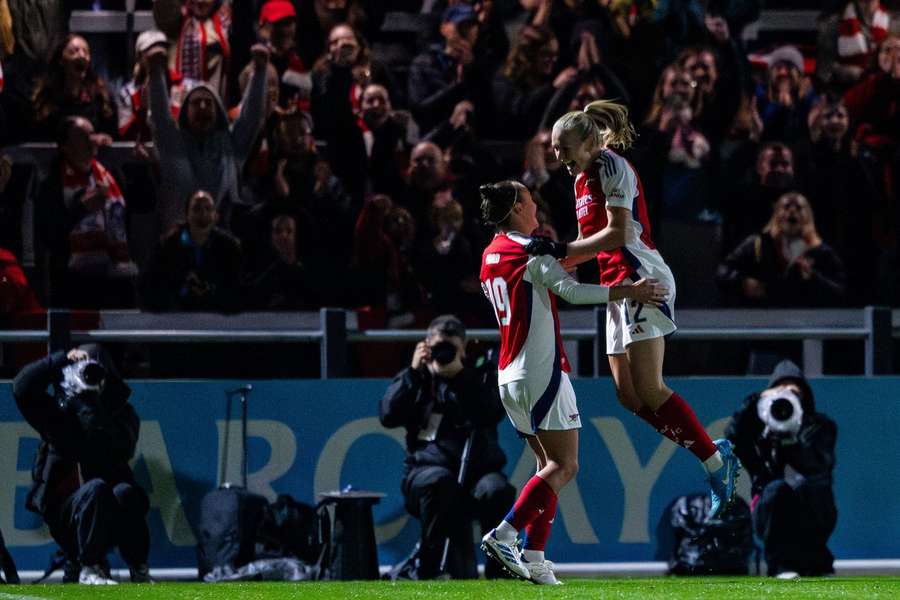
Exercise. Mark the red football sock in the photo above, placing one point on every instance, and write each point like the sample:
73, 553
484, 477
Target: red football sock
650, 416
676, 420
538, 531
536, 497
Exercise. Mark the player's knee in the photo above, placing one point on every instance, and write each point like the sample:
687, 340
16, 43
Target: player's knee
650, 394
628, 400
568, 469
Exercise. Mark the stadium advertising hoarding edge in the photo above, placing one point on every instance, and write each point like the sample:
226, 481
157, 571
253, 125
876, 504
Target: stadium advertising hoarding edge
308, 437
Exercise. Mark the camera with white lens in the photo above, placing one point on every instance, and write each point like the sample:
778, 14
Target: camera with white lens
781, 412
84, 379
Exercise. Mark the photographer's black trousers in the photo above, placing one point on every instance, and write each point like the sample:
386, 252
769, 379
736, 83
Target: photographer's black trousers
444, 508
99, 517
794, 525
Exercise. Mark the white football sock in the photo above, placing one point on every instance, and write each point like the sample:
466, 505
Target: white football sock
713, 463
506, 533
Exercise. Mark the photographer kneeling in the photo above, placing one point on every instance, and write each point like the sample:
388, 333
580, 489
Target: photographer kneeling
788, 450
83, 486
440, 401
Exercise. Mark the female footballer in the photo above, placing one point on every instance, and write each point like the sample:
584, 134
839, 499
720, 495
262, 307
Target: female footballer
534, 385
613, 226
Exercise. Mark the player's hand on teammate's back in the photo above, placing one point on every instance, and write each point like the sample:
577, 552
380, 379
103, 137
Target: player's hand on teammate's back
649, 291
540, 245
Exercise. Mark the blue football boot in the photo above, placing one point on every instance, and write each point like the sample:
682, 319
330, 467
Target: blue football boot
722, 481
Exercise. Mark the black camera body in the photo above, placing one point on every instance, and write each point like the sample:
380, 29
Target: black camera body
443, 352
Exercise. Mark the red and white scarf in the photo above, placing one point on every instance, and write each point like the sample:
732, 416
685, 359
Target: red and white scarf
197, 38
356, 106
98, 244
858, 40
134, 106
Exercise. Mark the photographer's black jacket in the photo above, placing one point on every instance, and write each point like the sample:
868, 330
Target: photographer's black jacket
468, 401
812, 455
80, 440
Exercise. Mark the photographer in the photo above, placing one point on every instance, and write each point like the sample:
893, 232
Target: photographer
440, 401
83, 486
788, 450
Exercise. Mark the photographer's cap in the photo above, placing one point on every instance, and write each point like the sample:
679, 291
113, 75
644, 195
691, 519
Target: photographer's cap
448, 325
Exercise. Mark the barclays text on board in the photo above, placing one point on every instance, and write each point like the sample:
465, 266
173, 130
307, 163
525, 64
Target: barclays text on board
308, 437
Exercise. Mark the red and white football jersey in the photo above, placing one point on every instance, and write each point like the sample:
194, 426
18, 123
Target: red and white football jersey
523, 290
612, 181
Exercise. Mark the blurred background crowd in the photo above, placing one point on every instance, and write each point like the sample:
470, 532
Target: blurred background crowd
294, 154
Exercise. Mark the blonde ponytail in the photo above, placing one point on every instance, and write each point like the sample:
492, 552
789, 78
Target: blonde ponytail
612, 120
603, 120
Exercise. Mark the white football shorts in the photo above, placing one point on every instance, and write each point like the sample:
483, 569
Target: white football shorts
532, 405
628, 321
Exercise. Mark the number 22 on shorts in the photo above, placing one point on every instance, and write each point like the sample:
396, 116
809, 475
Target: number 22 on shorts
637, 318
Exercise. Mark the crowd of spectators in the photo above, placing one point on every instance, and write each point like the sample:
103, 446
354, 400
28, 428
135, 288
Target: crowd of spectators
292, 154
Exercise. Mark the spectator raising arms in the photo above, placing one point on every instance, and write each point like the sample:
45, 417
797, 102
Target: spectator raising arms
134, 103
200, 151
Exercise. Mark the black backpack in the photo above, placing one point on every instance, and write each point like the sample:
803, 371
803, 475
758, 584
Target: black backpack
230, 519
697, 545
231, 516
10, 574
237, 526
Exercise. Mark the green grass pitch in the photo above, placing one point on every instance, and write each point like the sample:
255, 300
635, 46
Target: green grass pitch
721, 588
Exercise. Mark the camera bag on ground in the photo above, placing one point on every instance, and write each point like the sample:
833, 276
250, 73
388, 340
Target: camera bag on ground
231, 516
698, 545
10, 574
298, 529
241, 536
